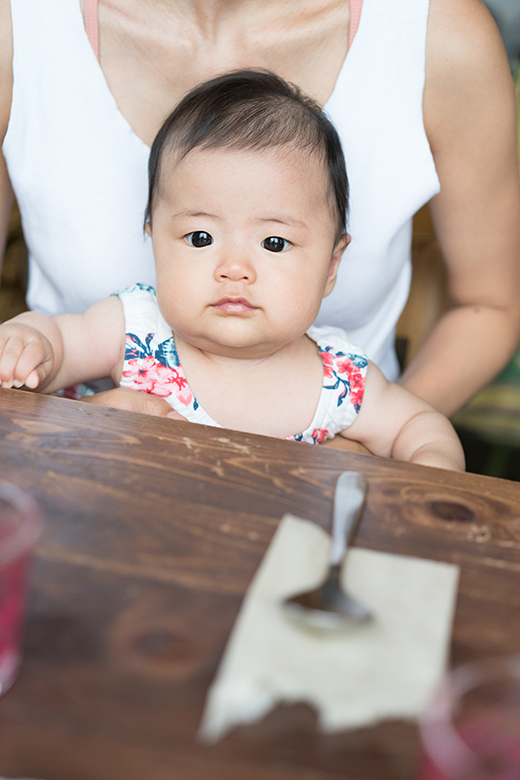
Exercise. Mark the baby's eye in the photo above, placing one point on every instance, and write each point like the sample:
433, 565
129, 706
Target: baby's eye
199, 238
275, 244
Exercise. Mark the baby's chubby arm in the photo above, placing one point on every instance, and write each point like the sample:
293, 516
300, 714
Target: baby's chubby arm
393, 422
48, 353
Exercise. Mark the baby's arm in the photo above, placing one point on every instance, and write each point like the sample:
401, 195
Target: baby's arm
49, 353
394, 422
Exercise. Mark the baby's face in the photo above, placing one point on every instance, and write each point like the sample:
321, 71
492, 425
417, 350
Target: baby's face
245, 248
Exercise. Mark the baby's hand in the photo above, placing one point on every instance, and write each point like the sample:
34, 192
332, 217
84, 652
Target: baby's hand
26, 356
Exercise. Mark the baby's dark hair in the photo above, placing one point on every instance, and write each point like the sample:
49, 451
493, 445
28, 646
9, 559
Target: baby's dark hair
251, 109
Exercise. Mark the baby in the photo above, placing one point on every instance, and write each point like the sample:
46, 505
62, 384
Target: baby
247, 204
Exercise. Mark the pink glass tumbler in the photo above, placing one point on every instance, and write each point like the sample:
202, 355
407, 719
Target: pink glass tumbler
20, 527
471, 730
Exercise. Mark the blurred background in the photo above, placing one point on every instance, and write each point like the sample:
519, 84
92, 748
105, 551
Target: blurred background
489, 426
507, 16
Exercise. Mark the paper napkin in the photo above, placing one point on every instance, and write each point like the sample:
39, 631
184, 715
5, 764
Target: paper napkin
385, 669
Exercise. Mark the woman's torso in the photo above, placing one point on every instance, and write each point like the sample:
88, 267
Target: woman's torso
77, 143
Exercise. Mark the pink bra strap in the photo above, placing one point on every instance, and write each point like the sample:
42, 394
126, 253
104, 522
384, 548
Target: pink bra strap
355, 15
91, 24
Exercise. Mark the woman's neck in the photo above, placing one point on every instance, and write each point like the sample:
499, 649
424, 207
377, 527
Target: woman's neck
209, 16
153, 53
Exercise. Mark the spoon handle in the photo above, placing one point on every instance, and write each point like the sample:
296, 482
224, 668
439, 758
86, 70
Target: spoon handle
349, 501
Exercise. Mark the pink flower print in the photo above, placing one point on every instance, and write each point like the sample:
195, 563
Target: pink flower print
328, 364
168, 380
139, 371
357, 381
319, 435
345, 366
150, 376
356, 397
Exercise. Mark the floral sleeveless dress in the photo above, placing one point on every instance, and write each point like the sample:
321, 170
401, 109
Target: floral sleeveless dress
152, 365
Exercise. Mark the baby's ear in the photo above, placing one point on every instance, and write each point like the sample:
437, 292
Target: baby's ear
343, 242
341, 245
148, 227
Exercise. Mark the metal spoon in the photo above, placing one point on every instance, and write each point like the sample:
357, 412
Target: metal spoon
329, 607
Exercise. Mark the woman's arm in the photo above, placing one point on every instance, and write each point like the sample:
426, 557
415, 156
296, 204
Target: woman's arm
133, 401
470, 120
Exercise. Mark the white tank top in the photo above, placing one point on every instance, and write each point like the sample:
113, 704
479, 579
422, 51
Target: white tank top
80, 172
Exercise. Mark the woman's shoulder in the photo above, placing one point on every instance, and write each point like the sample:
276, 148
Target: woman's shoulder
468, 91
459, 21
463, 48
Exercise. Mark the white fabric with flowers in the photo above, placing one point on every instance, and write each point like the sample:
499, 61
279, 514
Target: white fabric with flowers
152, 366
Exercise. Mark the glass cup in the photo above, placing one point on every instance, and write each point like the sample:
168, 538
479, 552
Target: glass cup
471, 730
20, 527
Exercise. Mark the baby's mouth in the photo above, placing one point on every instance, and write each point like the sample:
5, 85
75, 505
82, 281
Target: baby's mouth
234, 306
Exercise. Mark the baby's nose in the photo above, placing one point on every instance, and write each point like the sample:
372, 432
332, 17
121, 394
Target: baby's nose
236, 269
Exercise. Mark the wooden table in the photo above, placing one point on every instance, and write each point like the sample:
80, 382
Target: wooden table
154, 530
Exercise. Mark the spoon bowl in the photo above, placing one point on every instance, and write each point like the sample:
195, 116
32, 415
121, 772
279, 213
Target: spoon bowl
328, 607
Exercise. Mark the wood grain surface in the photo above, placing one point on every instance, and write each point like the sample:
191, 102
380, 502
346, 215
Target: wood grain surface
154, 529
